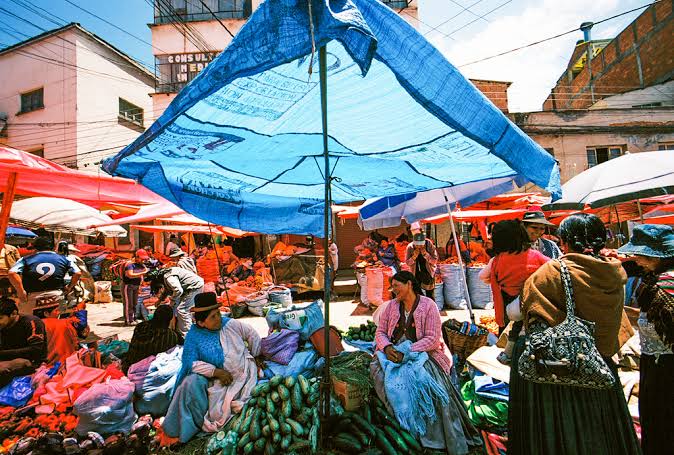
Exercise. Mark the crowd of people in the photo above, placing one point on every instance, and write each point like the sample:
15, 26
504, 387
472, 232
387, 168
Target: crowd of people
220, 356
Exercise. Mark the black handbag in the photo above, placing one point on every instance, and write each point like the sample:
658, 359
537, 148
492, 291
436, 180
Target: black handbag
565, 354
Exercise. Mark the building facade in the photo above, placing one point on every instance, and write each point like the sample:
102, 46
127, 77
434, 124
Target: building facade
615, 96
69, 96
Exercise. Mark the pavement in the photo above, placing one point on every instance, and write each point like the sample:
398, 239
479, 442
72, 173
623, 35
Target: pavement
106, 319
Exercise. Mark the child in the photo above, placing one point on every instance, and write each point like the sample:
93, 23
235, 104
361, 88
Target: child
513, 262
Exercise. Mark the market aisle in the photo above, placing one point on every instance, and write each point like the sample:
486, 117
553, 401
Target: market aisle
105, 319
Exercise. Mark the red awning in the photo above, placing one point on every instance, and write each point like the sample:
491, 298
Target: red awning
468, 216
194, 228
40, 177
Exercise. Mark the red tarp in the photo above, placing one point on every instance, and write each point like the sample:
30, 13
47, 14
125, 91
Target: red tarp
40, 177
196, 229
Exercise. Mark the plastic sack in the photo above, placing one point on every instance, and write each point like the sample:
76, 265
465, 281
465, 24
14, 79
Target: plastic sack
361, 278
236, 293
366, 346
304, 362
103, 292
378, 284
157, 389
256, 302
304, 319
280, 347
454, 287
480, 293
439, 295
280, 294
16, 393
138, 371
106, 408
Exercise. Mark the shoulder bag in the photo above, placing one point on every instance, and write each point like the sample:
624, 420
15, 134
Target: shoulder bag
565, 354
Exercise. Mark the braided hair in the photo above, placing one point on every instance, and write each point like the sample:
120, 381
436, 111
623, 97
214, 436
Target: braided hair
583, 233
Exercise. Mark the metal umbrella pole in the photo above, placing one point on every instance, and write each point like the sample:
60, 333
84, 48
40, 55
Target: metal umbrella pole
322, 63
458, 254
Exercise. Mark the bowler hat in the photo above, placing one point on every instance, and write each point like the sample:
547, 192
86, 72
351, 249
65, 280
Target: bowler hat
654, 240
206, 301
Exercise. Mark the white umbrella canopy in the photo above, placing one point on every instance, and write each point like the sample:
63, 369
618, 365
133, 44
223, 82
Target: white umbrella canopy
62, 215
631, 176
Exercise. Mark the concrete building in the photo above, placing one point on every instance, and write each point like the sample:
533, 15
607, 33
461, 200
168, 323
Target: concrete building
187, 35
614, 96
71, 97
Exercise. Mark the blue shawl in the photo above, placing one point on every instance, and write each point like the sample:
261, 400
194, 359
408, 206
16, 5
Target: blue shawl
202, 344
411, 390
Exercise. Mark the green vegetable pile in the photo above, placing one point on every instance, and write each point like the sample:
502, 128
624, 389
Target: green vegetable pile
281, 418
354, 368
372, 431
364, 332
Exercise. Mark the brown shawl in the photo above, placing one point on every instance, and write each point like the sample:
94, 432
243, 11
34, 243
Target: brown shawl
598, 286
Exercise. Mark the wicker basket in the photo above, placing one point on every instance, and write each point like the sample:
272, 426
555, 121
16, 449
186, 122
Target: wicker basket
463, 338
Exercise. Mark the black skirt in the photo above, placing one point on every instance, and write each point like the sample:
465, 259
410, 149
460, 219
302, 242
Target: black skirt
550, 419
656, 404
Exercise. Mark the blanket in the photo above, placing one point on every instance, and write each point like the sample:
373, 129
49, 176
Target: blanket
411, 390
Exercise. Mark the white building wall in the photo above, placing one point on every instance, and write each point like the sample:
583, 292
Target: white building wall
31, 67
100, 131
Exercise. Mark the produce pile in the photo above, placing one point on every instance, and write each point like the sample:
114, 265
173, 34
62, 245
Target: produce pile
282, 417
490, 323
373, 430
254, 282
364, 332
354, 368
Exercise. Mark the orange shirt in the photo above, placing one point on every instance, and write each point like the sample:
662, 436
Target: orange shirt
61, 339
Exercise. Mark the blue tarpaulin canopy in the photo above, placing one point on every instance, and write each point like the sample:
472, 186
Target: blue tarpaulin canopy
241, 145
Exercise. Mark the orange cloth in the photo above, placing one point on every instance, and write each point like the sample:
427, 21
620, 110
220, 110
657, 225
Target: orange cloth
207, 267
451, 248
61, 339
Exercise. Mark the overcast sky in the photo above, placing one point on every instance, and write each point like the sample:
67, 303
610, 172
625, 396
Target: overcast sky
463, 36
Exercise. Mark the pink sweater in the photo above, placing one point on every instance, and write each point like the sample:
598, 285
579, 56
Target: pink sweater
428, 327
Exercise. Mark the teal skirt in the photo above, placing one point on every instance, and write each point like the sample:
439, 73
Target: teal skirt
550, 419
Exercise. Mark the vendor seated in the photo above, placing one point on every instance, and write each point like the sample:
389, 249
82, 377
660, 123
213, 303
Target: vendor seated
23, 344
410, 328
218, 374
243, 271
62, 338
386, 254
152, 337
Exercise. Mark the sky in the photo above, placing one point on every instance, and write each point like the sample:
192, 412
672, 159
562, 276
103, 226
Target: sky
467, 30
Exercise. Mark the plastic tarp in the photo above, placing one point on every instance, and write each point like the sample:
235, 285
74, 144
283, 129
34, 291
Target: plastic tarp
241, 145
40, 177
147, 213
62, 215
15, 231
469, 216
197, 229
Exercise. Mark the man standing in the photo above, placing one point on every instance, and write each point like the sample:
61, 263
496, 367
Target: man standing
535, 224
172, 243
181, 286
23, 342
421, 257
42, 276
131, 281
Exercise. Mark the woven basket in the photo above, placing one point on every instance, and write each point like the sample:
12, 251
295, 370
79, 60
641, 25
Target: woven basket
463, 344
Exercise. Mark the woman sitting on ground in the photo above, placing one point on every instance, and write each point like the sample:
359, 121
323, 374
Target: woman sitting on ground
218, 375
415, 318
549, 419
152, 337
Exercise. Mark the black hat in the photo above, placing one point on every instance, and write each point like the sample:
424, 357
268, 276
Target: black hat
206, 301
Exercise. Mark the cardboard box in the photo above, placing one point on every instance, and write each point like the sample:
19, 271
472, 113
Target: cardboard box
349, 395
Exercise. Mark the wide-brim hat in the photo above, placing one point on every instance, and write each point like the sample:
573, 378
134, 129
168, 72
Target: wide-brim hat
176, 253
206, 301
653, 240
536, 218
47, 303
73, 249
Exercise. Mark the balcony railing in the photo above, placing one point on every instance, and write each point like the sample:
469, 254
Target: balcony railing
170, 11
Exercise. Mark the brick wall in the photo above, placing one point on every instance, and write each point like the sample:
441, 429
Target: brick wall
640, 56
496, 91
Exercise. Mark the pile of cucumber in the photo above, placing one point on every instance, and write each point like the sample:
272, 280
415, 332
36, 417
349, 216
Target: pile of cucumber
372, 430
364, 332
280, 418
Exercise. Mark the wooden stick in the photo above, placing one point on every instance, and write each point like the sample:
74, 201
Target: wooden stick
7, 200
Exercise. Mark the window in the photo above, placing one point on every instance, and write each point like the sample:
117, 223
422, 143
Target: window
550, 150
666, 146
598, 155
130, 112
169, 11
32, 101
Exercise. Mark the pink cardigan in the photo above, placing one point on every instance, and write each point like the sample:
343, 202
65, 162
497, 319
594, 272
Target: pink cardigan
428, 327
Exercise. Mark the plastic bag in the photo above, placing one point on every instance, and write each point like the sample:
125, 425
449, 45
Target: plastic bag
157, 389
454, 286
106, 408
16, 393
480, 293
280, 347
304, 318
